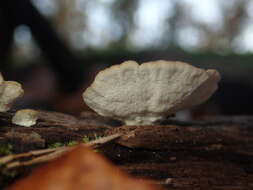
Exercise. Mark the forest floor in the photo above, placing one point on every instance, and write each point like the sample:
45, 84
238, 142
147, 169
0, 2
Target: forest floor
212, 154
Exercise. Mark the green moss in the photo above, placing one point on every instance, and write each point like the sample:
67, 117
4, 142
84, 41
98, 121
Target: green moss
87, 138
60, 144
5, 149
56, 145
96, 137
72, 143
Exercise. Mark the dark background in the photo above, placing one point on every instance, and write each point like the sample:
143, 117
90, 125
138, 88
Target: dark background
54, 48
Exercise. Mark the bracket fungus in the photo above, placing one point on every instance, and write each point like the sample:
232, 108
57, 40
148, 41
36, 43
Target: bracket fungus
25, 117
149, 92
9, 92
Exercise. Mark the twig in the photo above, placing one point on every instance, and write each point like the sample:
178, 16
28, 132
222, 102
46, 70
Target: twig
45, 155
103, 140
40, 159
6, 159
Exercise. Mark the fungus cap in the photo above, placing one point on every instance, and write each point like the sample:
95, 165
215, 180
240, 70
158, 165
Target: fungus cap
25, 117
9, 92
143, 94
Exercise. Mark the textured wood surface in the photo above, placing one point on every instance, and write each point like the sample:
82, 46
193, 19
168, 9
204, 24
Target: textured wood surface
213, 154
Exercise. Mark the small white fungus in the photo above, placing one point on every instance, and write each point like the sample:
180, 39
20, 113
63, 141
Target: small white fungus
143, 94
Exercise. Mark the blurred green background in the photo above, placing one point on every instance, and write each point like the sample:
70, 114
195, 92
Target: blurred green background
55, 47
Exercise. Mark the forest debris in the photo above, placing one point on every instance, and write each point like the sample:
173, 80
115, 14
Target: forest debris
44, 155
31, 140
7, 159
172, 137
80, 169
41, 118
144, 94
29, 117
52, 127
69, 121
213, 154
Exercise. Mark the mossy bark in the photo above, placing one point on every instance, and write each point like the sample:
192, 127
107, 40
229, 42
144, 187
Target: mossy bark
214, 154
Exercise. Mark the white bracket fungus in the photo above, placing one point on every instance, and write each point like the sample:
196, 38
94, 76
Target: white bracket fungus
9, 92
25, 117
143, 94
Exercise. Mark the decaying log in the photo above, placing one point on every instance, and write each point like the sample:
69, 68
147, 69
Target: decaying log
44, 155
213, 154
51, 127
86, 120
80, 169
172, 137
